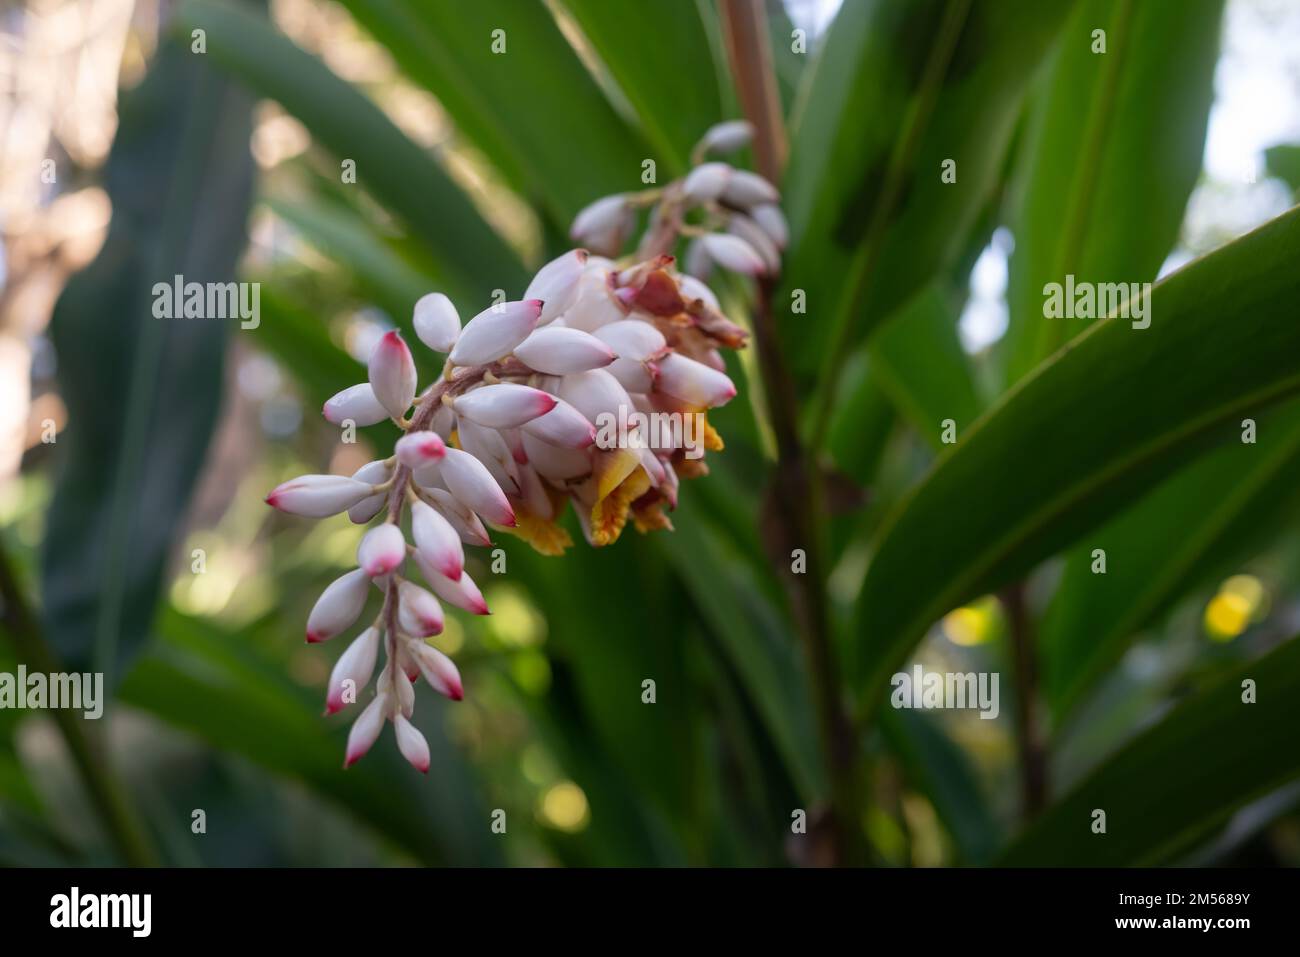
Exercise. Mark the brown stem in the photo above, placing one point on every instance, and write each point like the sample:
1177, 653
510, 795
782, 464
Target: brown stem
106, 791
1029, 743
796, 484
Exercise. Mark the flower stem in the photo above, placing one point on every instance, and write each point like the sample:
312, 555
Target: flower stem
106, 791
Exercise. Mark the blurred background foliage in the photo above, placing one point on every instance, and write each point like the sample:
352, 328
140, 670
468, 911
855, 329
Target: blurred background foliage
138, 543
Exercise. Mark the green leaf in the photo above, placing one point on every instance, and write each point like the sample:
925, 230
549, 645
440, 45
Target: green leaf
1206, 518
676, 104
1088, 433
1112, 152
1172, 785
1283, 161
918, 360
389, 165
898, 89
143, 392
534, 110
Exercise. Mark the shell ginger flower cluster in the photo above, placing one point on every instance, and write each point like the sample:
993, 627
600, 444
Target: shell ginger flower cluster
593, 388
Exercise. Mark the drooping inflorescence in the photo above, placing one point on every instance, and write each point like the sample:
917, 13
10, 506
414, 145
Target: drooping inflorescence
593, 388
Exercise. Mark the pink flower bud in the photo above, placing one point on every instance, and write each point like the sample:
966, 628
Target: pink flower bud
693, 382
317, 496
418, 612
356, 402
417, 449
436, 540
707, 181
749, 189
692, 288
392, 374
365, 730
564, 426
745, 228
464, 521
556, 283
338, 606
504, 405
352, 671
633, 339
462, 593
732, 252
472, 484
559, 351
436, 322
381, 550
495, 332
438, 670
490, 448
412, 744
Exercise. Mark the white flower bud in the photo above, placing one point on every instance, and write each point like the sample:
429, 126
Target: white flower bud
462, 593
438, 670
556, 283
503, 405
365, 730
564, 426
748, 230
381, 550
731, 252
633, 375
772, 221
338, 606
633, 339
436, 322
372, 473
412, 744
594, 304
697, 262
392, 374
473, 485
559, 351
707, 181
436, 540
417, 449
489, 447
318, 496
465, 522
418, 612
356, 402
594, 392
556, 463
692, 288
495, 332
603, 225
693, 382
749, 189
355, 665
726, 137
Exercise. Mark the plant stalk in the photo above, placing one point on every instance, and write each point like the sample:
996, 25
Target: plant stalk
106, 791
1029, 742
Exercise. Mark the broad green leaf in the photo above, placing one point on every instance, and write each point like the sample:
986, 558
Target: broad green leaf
143, 392
389, 165
1204, 519
1116, 411
201, 680
898, 89
919, 363
1111, 154
1283, 161
531, 107
942, 771
298, 338
1176, 782
674, 105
